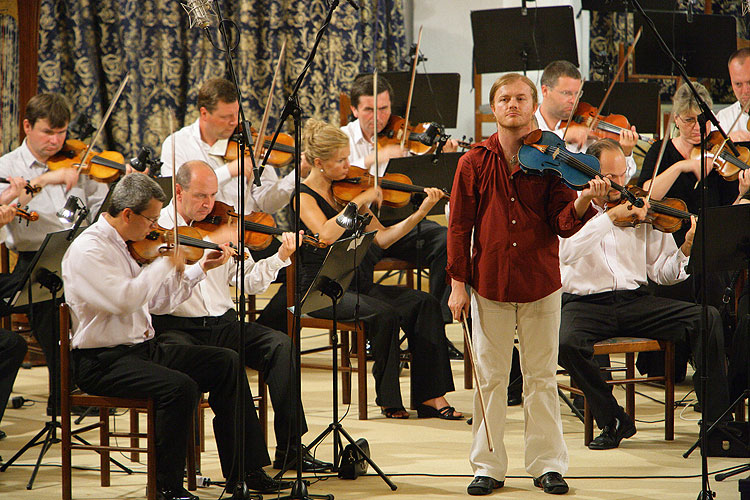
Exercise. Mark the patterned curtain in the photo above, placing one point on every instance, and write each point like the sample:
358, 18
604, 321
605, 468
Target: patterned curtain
608, 30
9, 64
88, 46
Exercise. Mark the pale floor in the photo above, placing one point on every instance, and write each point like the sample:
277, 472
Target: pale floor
425, 458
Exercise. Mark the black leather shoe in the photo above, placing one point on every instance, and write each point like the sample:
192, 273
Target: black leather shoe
612, 434
551, 482
309, 463
483, 485
453, 352
261, 482
515, 399
174, 494
3, 435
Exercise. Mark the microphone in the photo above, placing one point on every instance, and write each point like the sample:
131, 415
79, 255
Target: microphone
200, 12
353, 4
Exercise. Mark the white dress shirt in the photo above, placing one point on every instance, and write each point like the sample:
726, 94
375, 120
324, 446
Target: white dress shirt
272, 195
727, 116
211, 296
110, 295
602, 257
28, 237
359, 148
573, 148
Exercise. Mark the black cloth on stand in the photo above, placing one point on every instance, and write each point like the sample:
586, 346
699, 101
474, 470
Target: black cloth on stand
12, 351
175, 376
267, 351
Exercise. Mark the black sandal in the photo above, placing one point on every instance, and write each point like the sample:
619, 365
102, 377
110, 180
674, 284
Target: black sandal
393, 412
446, 412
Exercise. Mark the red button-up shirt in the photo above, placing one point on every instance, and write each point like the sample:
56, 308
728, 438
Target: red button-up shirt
516, 219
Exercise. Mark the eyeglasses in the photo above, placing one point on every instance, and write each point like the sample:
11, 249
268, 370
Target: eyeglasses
690, 122
565, 93
152, 220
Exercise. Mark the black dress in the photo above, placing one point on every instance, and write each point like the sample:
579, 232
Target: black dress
385, 310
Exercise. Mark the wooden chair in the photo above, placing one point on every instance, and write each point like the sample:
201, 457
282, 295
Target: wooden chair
630, 346
346, 329
104, 403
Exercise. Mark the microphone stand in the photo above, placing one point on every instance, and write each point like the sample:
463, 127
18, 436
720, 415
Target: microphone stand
292, 109
704, 117
241, 491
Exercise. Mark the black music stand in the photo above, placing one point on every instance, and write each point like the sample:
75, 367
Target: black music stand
435, 96
334, 277
42, 282
624, 5
727, 249
424, 170
700, 59
639, 101
511, 40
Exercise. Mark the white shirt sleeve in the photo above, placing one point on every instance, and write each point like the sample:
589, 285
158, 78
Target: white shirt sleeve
273, 194
259, 275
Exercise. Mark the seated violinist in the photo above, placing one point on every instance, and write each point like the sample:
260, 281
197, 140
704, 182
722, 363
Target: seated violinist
604, 269
208, 317
45, 125
561, 82
432, 251
739, 76
207, 139
383, 309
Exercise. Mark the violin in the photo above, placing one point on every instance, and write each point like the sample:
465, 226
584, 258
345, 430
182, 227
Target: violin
397, 188
726, 164
281, 154
160, 242
667, 215
422, 138
609, 126
32, 190
26, 215
544, 152
259, 227
106, 166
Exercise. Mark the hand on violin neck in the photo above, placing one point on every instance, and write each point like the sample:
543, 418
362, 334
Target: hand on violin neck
744, 184
687, 245
628, 140
626, 210
217, 258
288, 245
433, 196
596, 189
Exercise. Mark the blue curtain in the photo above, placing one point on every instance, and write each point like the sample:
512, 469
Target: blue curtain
8, 83
87, 47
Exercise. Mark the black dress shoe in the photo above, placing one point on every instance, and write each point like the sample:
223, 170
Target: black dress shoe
261, 482
174, 494
3, 435
453, 352
515, 399
483, 485
551, 482
309, 463
612, 434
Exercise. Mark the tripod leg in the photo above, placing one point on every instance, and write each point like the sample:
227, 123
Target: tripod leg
48, 441
368, 459
122, 467
570, 404
33, 442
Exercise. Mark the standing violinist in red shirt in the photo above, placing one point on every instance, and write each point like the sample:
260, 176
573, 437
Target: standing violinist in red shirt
513, 220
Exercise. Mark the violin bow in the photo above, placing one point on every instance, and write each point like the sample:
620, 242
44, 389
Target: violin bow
375, 127
742, 111
264, 122
667, 138
468, 347
174, 189
592, 124
411, 88
573, 111
105, 118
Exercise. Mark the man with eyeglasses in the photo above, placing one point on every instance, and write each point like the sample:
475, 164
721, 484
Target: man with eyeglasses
739, 75
561, 82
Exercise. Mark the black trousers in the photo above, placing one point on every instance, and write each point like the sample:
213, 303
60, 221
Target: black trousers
433, 255
266, 351
588, 319
175, 376
43, 319
385, 310
12, 352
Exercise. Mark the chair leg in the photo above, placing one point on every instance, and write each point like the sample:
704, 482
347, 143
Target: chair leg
104, 440
191, 453
630, 388
588, 423
346, 374
263, 405
669, 392
67, 490
151, 453
134, 429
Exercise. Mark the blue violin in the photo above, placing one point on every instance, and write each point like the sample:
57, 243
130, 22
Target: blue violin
544, 152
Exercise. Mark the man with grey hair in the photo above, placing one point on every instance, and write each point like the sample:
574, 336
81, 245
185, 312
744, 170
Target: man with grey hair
114, 352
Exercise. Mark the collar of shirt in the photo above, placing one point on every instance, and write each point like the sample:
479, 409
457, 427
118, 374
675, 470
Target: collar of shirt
492, 144
542, 123
28, 157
